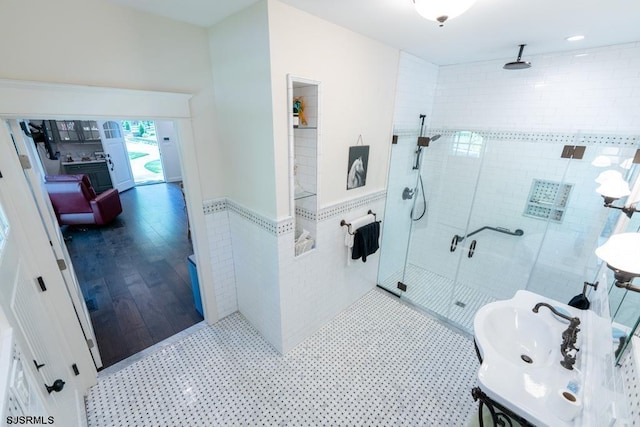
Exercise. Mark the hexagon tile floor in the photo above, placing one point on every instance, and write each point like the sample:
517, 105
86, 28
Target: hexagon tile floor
380, 362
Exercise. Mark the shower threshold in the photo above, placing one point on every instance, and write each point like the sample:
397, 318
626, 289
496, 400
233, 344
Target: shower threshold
432, 292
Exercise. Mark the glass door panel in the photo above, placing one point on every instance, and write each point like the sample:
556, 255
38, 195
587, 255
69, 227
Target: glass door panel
448, 179
397, 215
566, 258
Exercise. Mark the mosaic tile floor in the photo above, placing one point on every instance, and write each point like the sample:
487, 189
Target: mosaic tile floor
380, 362
433, 292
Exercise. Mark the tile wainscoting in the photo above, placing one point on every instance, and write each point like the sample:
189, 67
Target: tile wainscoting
286, 298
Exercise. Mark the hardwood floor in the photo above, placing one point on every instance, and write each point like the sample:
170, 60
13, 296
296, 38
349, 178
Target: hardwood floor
133, 272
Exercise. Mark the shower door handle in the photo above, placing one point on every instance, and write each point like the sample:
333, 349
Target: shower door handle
454, 243
472, 249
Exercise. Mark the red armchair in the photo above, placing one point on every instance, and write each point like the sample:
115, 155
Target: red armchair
75, 202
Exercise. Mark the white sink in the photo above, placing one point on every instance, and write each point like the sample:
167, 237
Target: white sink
518, 335
521, 358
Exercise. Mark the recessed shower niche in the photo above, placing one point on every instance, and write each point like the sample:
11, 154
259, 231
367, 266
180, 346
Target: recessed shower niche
303, 158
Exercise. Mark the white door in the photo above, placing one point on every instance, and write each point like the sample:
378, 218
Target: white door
35, 176
36, 304
169, 152
115, 148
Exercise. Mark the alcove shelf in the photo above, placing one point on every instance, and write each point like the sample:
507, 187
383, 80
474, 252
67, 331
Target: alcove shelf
303, 150
303, 195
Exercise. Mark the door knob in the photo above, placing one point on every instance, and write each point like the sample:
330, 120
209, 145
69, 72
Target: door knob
57, 386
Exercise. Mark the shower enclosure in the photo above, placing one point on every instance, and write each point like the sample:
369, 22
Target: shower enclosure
488, 213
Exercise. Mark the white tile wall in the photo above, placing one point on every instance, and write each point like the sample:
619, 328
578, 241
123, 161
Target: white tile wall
586, 90
560, 92
255, 258
221, 253
286, 298
318, 285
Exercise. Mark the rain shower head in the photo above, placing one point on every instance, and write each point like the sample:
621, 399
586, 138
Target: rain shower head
518, 64
423, 141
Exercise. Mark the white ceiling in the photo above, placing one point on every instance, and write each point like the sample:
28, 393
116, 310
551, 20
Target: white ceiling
491, 29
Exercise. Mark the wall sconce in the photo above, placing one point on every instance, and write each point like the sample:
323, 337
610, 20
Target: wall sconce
614, 187
441, 10
622, 255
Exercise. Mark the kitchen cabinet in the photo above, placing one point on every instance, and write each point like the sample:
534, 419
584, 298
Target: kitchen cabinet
74, 131
96, 170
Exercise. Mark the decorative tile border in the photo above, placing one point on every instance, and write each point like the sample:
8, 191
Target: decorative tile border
306, 213
402, 132
287, 225
575, 138
215, 205
268, 224
340, 208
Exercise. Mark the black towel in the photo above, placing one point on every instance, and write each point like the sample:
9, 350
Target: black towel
365, 241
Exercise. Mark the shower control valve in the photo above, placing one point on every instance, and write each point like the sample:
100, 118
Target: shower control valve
407, 193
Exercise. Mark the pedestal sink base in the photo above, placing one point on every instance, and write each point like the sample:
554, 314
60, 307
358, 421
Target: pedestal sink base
500, 416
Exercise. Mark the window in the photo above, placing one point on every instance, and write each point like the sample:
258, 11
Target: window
111, 130
466, 144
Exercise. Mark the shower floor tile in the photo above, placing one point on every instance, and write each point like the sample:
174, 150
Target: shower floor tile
380, 362
438, 295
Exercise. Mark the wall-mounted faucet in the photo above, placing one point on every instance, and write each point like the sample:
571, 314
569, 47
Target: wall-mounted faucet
569, 336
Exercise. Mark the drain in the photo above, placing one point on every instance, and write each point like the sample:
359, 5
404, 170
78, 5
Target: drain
526, 358
460, 304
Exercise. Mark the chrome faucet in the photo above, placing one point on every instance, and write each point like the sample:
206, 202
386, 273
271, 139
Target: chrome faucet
569, 336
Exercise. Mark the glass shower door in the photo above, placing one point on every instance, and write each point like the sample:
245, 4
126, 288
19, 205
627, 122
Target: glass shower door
501, 212
508, 221
446, 189
398, 208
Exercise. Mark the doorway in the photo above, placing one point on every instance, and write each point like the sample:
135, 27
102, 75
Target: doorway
19, 100
133, 272
143, 151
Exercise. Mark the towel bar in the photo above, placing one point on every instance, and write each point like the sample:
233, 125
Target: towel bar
348, 224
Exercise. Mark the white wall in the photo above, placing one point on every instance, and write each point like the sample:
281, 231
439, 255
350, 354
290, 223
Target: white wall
358, 87
94, 42
357, 93
586, 91
240, 61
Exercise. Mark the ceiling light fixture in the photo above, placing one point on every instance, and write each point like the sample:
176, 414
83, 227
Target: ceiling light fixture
575, 38
442, 10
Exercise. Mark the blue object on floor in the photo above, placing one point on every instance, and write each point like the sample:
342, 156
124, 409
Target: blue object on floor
195, 285
617, 333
